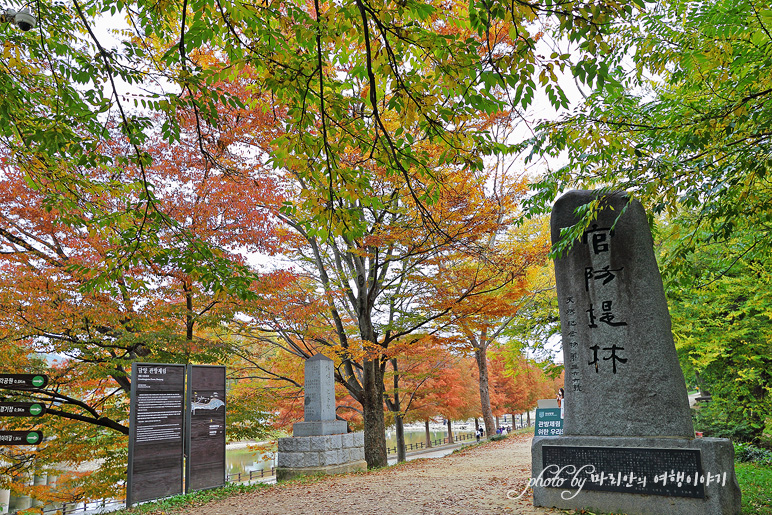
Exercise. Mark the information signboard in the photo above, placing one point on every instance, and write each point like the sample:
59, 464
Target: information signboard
635, 470
205, 466
548, 422
155, 431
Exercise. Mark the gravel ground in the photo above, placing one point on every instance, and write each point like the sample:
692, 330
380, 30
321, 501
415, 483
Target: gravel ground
473, 481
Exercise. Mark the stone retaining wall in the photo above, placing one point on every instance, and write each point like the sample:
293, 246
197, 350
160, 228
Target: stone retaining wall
312, 454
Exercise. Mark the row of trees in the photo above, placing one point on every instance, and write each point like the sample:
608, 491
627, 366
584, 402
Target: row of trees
366, 151
382, 200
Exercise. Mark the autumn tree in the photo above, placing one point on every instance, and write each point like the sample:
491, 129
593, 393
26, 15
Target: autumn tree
67, 293
377, 106
678, 116
425, 380
337, 71
356, 295
509, 268
517, 382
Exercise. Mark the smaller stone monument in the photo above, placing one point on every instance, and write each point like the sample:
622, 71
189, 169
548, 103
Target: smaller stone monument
320, 444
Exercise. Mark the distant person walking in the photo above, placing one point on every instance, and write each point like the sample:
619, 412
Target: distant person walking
561, 398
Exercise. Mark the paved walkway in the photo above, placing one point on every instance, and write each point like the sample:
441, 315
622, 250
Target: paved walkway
478, 480
435, 452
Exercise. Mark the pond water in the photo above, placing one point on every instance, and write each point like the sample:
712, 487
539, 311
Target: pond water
242, 460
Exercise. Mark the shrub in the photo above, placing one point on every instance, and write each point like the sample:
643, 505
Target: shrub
751, 453
713, 422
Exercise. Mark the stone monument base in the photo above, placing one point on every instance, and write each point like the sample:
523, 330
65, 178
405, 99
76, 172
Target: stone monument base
284, 473
326, 454
644, 476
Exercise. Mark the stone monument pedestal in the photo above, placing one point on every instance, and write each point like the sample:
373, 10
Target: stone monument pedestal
321, 454
320, 444
635, 475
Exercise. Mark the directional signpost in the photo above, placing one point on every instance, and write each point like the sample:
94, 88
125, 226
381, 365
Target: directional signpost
24, 382
20, 437
21, 409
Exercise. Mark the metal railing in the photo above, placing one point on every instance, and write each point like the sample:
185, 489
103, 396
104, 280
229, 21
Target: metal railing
437, 442
442, 441
250, 476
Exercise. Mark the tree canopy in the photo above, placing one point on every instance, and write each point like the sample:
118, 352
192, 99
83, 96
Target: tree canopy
364, 147
678, 115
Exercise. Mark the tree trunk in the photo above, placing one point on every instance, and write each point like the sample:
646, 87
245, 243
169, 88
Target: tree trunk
394, 407
450, 431
401, 451
481, 357
372, 408
428, 436
528, 418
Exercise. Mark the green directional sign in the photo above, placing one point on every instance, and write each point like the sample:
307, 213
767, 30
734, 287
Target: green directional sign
21, 409
548, 422
23, 381
20, 437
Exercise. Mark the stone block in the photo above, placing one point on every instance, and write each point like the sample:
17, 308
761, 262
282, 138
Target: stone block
622, 372
357, 453
716, 458
327, 458
290, 459
325, 443
311, 459
294, 444
347, 440
286, 444
359, 439
284, 473
319, 389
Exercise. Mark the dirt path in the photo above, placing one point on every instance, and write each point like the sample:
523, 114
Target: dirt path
470, 482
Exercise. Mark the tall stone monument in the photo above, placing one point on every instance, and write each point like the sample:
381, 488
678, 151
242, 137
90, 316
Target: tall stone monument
628, 442
320, 444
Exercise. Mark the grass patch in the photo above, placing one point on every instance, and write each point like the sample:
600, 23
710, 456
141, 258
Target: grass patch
189, 500
756, 485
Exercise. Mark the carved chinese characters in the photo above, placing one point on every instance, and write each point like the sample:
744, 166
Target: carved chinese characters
627, 443
622, 372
